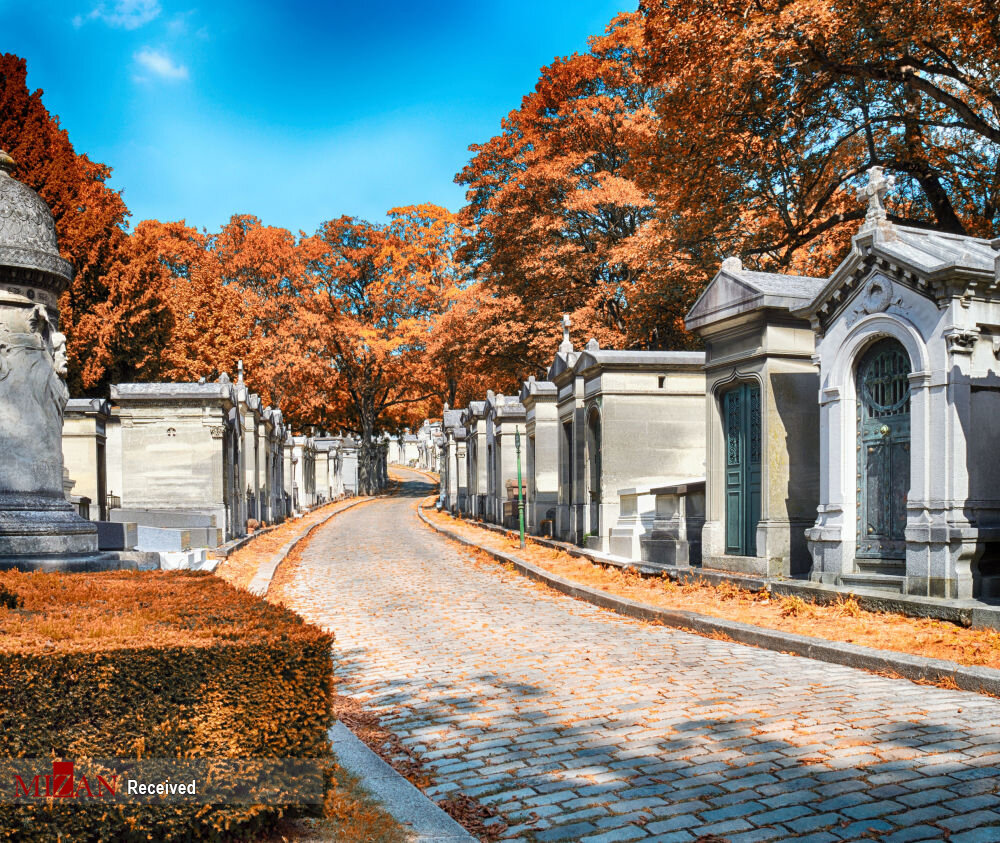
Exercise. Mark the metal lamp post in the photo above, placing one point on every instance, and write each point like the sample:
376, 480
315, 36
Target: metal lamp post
520, 487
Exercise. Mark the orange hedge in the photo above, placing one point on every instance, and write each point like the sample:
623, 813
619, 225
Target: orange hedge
164, 664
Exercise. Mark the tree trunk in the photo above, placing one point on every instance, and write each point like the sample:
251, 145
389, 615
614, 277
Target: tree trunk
367, 456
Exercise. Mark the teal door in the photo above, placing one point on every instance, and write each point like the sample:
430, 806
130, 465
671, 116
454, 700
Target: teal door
883, 450
741, 411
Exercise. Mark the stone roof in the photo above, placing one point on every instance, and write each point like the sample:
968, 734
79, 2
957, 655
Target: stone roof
171, 391
735, 290
452, 418
932, 253
509, 408
533, 390
475, 410
936, 263
561, 363
89, 405
632, 360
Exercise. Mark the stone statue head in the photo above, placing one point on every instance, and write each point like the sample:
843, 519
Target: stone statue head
40, 323
59, 358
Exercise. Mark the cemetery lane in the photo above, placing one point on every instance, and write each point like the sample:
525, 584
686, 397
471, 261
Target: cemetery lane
579, 724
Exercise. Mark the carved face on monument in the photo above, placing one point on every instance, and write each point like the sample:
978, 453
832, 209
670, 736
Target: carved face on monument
59, 359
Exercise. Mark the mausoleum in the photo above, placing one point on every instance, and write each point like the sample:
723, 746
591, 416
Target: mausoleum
541, 455
762, 447
179, 461
474, 422
84, 444
504, 417
641, 423
908, 345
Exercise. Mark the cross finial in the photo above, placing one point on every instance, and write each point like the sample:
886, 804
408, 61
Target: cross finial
567, 343
875, 191
239, 371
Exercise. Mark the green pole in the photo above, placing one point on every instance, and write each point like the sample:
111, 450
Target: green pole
520, 486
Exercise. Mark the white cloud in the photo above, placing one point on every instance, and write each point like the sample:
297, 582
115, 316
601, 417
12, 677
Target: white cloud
183, 24
123, 14
160, 64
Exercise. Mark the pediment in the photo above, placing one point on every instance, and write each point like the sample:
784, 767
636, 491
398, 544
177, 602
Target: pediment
724, 292
877, 292
886, 260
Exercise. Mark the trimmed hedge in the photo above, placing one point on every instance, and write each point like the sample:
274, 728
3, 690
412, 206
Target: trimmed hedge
164, 664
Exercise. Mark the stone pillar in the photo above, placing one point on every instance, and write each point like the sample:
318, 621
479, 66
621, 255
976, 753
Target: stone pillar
39, 528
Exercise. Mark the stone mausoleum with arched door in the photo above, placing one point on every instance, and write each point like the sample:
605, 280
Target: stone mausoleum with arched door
908, 349
854, 421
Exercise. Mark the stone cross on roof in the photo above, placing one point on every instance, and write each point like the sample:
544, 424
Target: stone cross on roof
567, 343
875, 191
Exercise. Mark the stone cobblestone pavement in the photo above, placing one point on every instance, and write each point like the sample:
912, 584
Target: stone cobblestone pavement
581, 725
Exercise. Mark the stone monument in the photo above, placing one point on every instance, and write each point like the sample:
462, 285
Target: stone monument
39, 528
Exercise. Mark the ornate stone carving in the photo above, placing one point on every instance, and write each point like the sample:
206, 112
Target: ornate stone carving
28, 234
962, 340
875, 191
878, 296
217, 431
38, 526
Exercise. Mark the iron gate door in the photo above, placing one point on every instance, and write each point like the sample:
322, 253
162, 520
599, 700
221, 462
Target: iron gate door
883, 450
741, 410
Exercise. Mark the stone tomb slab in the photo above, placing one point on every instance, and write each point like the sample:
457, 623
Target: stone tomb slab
172, 518
168, 539
113, 535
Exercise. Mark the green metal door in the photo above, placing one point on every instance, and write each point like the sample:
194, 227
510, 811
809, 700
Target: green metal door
741, 411
883, 450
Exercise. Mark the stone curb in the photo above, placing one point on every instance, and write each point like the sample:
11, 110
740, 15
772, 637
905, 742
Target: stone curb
407, 804
978, 679
969, 613
261, 581
224, 551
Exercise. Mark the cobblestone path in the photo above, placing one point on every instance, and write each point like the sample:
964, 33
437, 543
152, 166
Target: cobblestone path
582, 725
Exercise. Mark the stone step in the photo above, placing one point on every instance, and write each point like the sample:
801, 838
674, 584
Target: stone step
893, 567
894, 583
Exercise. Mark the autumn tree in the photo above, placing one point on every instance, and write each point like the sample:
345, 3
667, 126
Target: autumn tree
558, 214
229, 294
770, 113
361, 326
99, 311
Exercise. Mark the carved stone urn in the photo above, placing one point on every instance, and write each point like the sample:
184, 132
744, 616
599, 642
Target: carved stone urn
39, 528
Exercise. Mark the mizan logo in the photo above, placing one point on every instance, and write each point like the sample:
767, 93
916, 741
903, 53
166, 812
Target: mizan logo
63, 783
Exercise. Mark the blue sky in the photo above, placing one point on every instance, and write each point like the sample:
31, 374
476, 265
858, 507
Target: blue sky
296, 112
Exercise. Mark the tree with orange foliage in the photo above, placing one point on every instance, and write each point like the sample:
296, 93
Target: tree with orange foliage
229, 295
562, 221
771, 112
110, 311
359, 338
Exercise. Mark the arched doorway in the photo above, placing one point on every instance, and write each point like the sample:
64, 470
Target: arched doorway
594, 471
741, 416
883, 389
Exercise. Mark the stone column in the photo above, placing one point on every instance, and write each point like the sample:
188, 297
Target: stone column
39, 528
